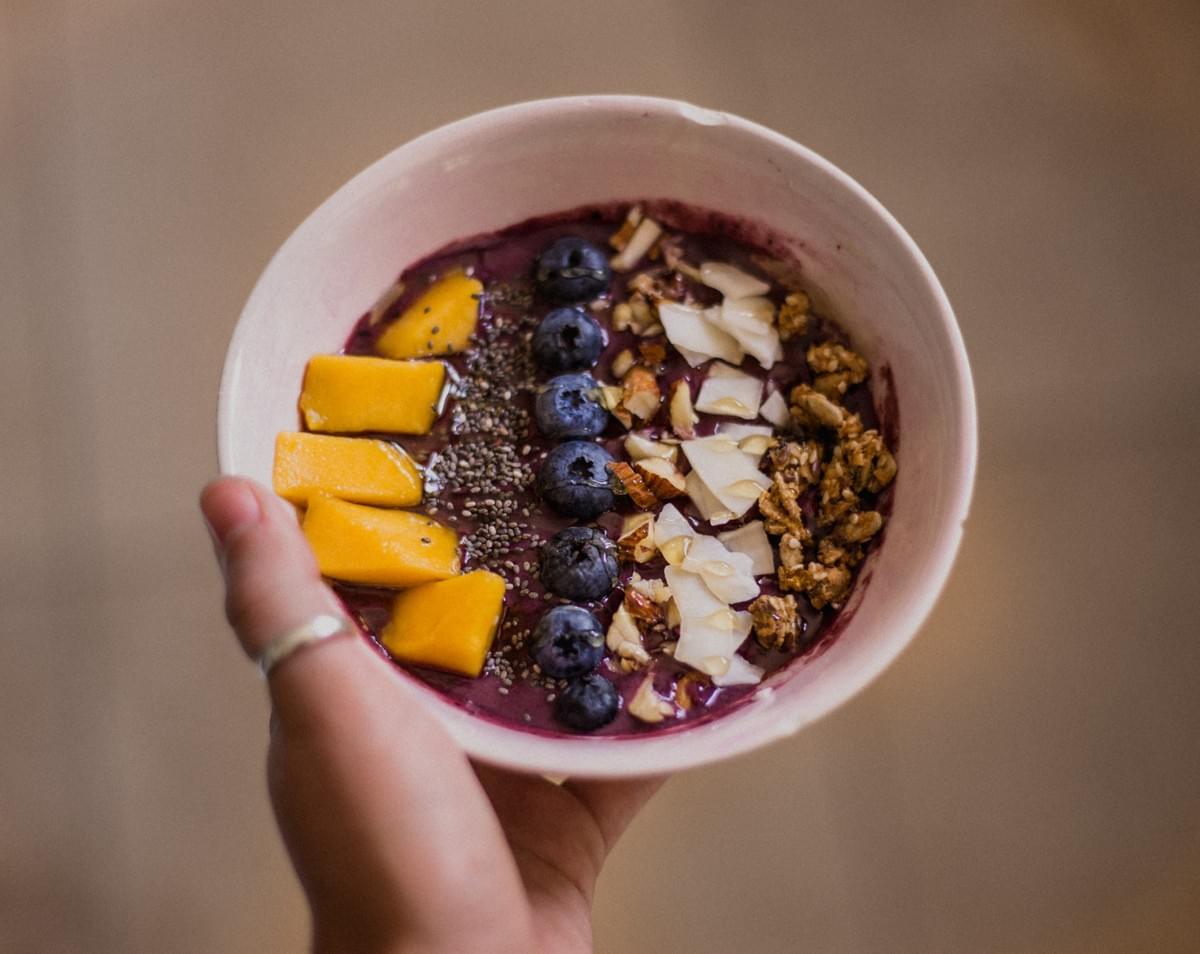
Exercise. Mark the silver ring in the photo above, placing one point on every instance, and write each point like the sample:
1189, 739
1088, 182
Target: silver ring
317, 629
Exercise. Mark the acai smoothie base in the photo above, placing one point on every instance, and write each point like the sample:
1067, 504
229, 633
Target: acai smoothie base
650, 468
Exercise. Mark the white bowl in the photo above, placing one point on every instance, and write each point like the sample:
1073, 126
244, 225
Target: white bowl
500, 167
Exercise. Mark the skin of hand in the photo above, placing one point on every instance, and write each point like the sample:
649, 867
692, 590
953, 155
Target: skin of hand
399, 841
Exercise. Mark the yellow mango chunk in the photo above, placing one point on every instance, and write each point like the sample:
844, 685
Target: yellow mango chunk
349, 394
370, 545
349, 468
447, 625
441, 321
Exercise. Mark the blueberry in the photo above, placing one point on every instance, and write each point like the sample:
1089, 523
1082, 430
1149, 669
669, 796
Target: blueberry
574, 480
572, 270
579, 563
567, 642
587, 703
567, 340
567, 407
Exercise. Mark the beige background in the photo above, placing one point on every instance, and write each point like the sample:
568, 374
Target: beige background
1026, 778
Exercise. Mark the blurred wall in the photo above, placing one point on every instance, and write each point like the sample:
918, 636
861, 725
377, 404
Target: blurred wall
1024, 779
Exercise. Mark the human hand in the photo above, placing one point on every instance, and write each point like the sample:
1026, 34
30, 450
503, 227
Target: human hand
399, 841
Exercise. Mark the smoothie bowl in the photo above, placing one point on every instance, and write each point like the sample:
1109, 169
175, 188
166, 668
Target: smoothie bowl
637, 435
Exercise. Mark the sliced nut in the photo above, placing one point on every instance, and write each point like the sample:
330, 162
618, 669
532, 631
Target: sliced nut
640, 394
653, 353
633, 485
644, 235
636, 543
655, 590
639, 447
622, 316
610, 396
683, 695
683, 414
648, 705
620, 238
625, 639
622, 363
642, 608
661, 477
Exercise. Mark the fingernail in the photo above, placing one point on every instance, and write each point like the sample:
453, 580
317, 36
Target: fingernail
227, 508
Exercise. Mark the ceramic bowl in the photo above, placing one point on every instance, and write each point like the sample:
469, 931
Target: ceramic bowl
501, 167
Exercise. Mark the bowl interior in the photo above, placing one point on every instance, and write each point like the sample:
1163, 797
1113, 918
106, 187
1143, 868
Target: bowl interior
501, 167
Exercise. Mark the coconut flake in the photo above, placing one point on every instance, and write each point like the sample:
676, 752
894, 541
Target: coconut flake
727, 574
752, 541
694, 336
711, 509
730, 281
731, 392
691, 596
727, 472
750, 321
710, 643
775, 409
739, 673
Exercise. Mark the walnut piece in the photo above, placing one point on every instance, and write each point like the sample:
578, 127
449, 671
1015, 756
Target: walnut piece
780, 508
812, 411
858, 527
871, 465
823, 585
798, 462
776, 622
836, 368
793, 316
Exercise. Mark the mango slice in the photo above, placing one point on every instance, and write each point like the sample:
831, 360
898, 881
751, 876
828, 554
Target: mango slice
349, 468
345, 393
447, 625
441, 321
361, 544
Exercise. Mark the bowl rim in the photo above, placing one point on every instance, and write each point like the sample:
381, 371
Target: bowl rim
656, 754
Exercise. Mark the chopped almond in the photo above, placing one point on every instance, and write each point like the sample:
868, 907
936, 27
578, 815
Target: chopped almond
636, 543
640, 395
683, 414
661, 477
633, 485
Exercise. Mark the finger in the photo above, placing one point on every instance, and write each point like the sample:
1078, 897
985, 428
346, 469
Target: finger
613, 804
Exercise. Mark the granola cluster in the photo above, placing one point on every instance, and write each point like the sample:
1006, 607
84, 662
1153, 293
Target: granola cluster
815, 504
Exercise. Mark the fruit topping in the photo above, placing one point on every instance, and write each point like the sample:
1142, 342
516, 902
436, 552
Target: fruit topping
568, 407
440, 321
350, 468
588, 703
568, 339
574, 480
380, 547
579, 563
567, 642
572, 270
448, 625
348, 394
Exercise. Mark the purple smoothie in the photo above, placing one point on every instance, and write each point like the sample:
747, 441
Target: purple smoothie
484, 452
